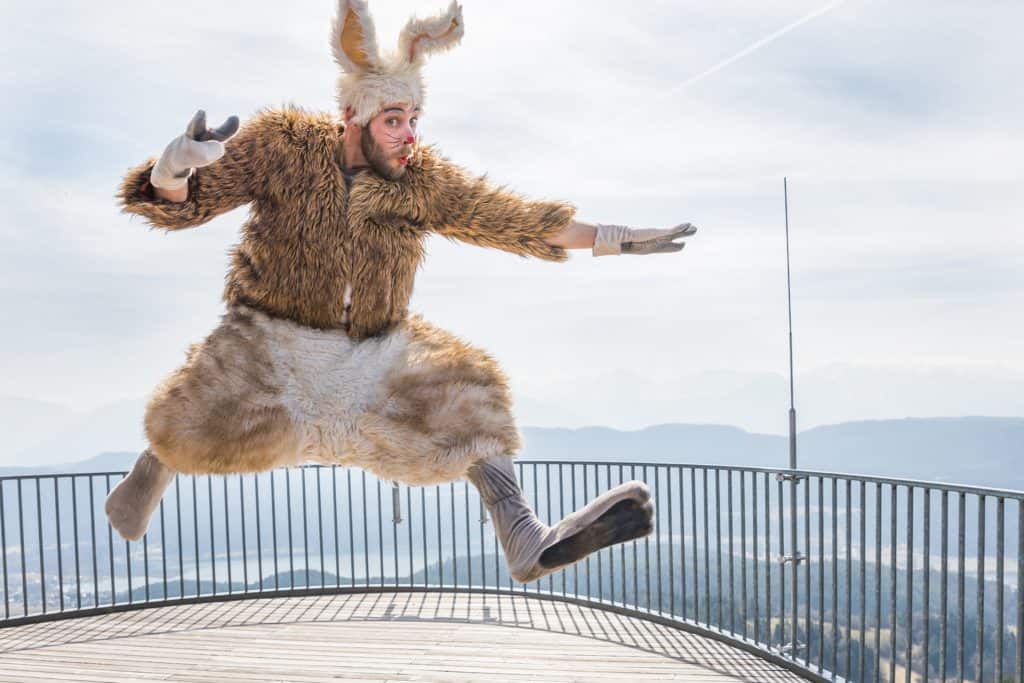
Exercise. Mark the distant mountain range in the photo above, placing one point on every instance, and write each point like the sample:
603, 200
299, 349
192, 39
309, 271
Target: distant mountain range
758, 401
40, 432
981, 451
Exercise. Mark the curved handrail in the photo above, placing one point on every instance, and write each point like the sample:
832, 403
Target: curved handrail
775, 561
786, 472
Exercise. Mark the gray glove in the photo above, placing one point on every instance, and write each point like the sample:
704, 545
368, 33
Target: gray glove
198, 146
619, 239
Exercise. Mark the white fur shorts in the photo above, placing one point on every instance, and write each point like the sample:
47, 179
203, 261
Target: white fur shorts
416, 405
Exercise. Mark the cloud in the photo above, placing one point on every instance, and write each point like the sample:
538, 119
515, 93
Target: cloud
900, 137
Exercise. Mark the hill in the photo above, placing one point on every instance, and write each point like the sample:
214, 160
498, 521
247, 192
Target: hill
980, 451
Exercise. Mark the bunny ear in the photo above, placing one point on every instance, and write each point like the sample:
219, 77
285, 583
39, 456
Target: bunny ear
422, 36
353, 38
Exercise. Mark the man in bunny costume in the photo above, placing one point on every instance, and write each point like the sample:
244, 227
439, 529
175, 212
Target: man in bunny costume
317, 357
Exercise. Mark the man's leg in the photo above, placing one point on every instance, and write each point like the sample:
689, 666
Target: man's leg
533, 549
444, 411
220, 413
134, 499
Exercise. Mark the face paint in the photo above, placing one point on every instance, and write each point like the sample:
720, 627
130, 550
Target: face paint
375, 154
379, 158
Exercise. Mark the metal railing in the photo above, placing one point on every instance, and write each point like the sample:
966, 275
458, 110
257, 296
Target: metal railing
838, 577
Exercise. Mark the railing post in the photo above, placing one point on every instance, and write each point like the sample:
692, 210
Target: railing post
794, 557
1020, 591
3, 544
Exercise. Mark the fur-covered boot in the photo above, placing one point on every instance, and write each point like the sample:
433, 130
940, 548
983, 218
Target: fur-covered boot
533, 549
134, 499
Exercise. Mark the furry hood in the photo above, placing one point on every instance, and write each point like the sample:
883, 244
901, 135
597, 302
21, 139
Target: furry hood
371, 79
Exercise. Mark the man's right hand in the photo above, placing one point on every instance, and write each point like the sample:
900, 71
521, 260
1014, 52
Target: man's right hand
199, 146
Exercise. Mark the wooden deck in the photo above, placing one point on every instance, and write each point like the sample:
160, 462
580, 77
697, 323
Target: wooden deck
371, 637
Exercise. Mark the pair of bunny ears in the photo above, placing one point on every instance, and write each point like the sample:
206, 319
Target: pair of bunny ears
354, 39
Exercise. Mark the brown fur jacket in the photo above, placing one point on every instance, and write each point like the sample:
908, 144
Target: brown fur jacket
308, 237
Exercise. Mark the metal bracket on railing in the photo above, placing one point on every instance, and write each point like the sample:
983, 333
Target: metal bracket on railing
789, 476
483, 512
797, 558
792, 648
396, 503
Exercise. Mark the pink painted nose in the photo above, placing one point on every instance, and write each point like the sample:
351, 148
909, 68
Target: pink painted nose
409, 140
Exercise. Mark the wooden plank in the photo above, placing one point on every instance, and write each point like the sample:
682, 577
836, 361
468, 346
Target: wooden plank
379, 637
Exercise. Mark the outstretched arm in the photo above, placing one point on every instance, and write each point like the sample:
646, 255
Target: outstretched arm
468, 208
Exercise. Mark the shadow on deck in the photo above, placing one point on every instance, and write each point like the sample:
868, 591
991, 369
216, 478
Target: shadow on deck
373, 636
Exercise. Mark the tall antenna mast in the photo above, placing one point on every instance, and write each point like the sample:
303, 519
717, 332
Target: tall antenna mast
789, 301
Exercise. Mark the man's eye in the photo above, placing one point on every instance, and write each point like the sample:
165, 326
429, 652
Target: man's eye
392, 121
413, 122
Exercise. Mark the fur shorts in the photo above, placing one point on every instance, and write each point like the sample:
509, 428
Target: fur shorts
417, 405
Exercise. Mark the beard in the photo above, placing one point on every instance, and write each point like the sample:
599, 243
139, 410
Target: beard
379, 159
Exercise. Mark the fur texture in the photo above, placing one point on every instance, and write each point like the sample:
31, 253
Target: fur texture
445, 406
223, 411
308, 236
354, 37
134, 499
420, 37
369, 79
417, 405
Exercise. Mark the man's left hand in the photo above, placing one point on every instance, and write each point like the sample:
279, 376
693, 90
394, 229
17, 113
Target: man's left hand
619, 239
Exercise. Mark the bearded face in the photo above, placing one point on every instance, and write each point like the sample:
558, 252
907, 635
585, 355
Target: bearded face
388, 139
383, 162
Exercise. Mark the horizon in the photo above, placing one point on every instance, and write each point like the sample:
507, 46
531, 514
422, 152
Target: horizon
878, 446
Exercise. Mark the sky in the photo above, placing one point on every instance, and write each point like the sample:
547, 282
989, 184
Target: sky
900, 128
